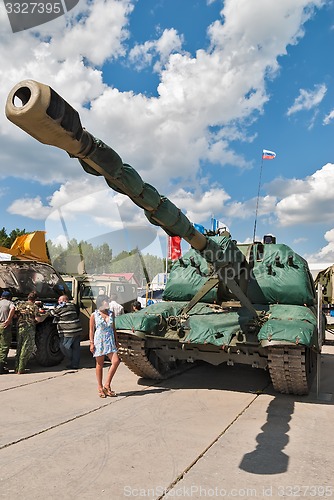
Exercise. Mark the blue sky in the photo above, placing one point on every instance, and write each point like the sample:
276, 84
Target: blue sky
189, 93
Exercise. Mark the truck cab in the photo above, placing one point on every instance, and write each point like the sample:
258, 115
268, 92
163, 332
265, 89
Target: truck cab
85, 288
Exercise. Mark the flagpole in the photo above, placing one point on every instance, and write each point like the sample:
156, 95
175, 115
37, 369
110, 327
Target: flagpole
167, 253
257, 200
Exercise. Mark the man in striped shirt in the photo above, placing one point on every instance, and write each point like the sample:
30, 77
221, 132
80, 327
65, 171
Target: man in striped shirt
69, 330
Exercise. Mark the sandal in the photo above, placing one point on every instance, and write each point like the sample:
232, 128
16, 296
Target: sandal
102, 393
109, 392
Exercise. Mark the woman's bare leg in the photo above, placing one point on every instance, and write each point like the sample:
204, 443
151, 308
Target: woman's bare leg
115, 362
99, 371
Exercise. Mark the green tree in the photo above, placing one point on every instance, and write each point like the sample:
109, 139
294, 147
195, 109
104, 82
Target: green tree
99, 260
15, 233
3, 238
143, 266
6, 240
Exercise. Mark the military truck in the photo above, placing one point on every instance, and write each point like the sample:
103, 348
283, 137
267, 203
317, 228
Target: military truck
20, 277
250, 304
326, 280
85, 288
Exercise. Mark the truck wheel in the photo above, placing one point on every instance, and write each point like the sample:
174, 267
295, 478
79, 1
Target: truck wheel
47, 343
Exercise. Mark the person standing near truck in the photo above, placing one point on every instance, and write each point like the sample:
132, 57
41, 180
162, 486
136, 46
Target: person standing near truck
27, 316
103, 342
7, 311
114, 306
69, 329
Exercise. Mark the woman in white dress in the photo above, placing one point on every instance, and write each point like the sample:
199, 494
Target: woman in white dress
103, 342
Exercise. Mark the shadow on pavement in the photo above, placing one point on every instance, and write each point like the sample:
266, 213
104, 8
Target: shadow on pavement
242, 378
142, 392
268, 457
86, 361
205, 376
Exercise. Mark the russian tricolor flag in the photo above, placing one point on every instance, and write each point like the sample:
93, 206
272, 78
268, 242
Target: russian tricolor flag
268, 155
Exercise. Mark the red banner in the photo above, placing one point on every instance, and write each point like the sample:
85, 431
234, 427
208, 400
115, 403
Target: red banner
174, 247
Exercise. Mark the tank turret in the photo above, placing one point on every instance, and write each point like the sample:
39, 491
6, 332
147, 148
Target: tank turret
251, 304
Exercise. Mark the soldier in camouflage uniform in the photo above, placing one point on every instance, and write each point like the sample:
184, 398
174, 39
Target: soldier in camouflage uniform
28, 315
7, 310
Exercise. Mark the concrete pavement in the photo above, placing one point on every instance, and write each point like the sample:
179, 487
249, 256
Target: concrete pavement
210, 432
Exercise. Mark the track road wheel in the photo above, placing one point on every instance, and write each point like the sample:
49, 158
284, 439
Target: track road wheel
144, 361
48, 351
292, 369
134, 355
164, 368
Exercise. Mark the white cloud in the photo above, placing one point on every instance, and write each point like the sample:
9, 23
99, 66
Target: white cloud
246, 210
282, 188
328, 118
308, 99
291, 201
325, 255
200, 206
83, 209
30, 207
327, 252
142, 55
219, 87
312, 203
107, 17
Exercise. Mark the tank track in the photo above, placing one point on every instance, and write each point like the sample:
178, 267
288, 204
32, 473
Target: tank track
292, 369
144, 362
133, 354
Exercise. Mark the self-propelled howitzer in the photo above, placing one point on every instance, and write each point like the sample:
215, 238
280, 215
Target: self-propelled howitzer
252, 304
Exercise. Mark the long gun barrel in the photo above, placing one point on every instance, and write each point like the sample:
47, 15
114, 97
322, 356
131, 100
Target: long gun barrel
47, 117
42, 113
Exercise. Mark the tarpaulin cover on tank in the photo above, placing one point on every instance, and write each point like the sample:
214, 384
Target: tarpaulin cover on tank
222, 250
295, 324
205, 323
190, 272
215, 328
280, 276
186, 278
148, 319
